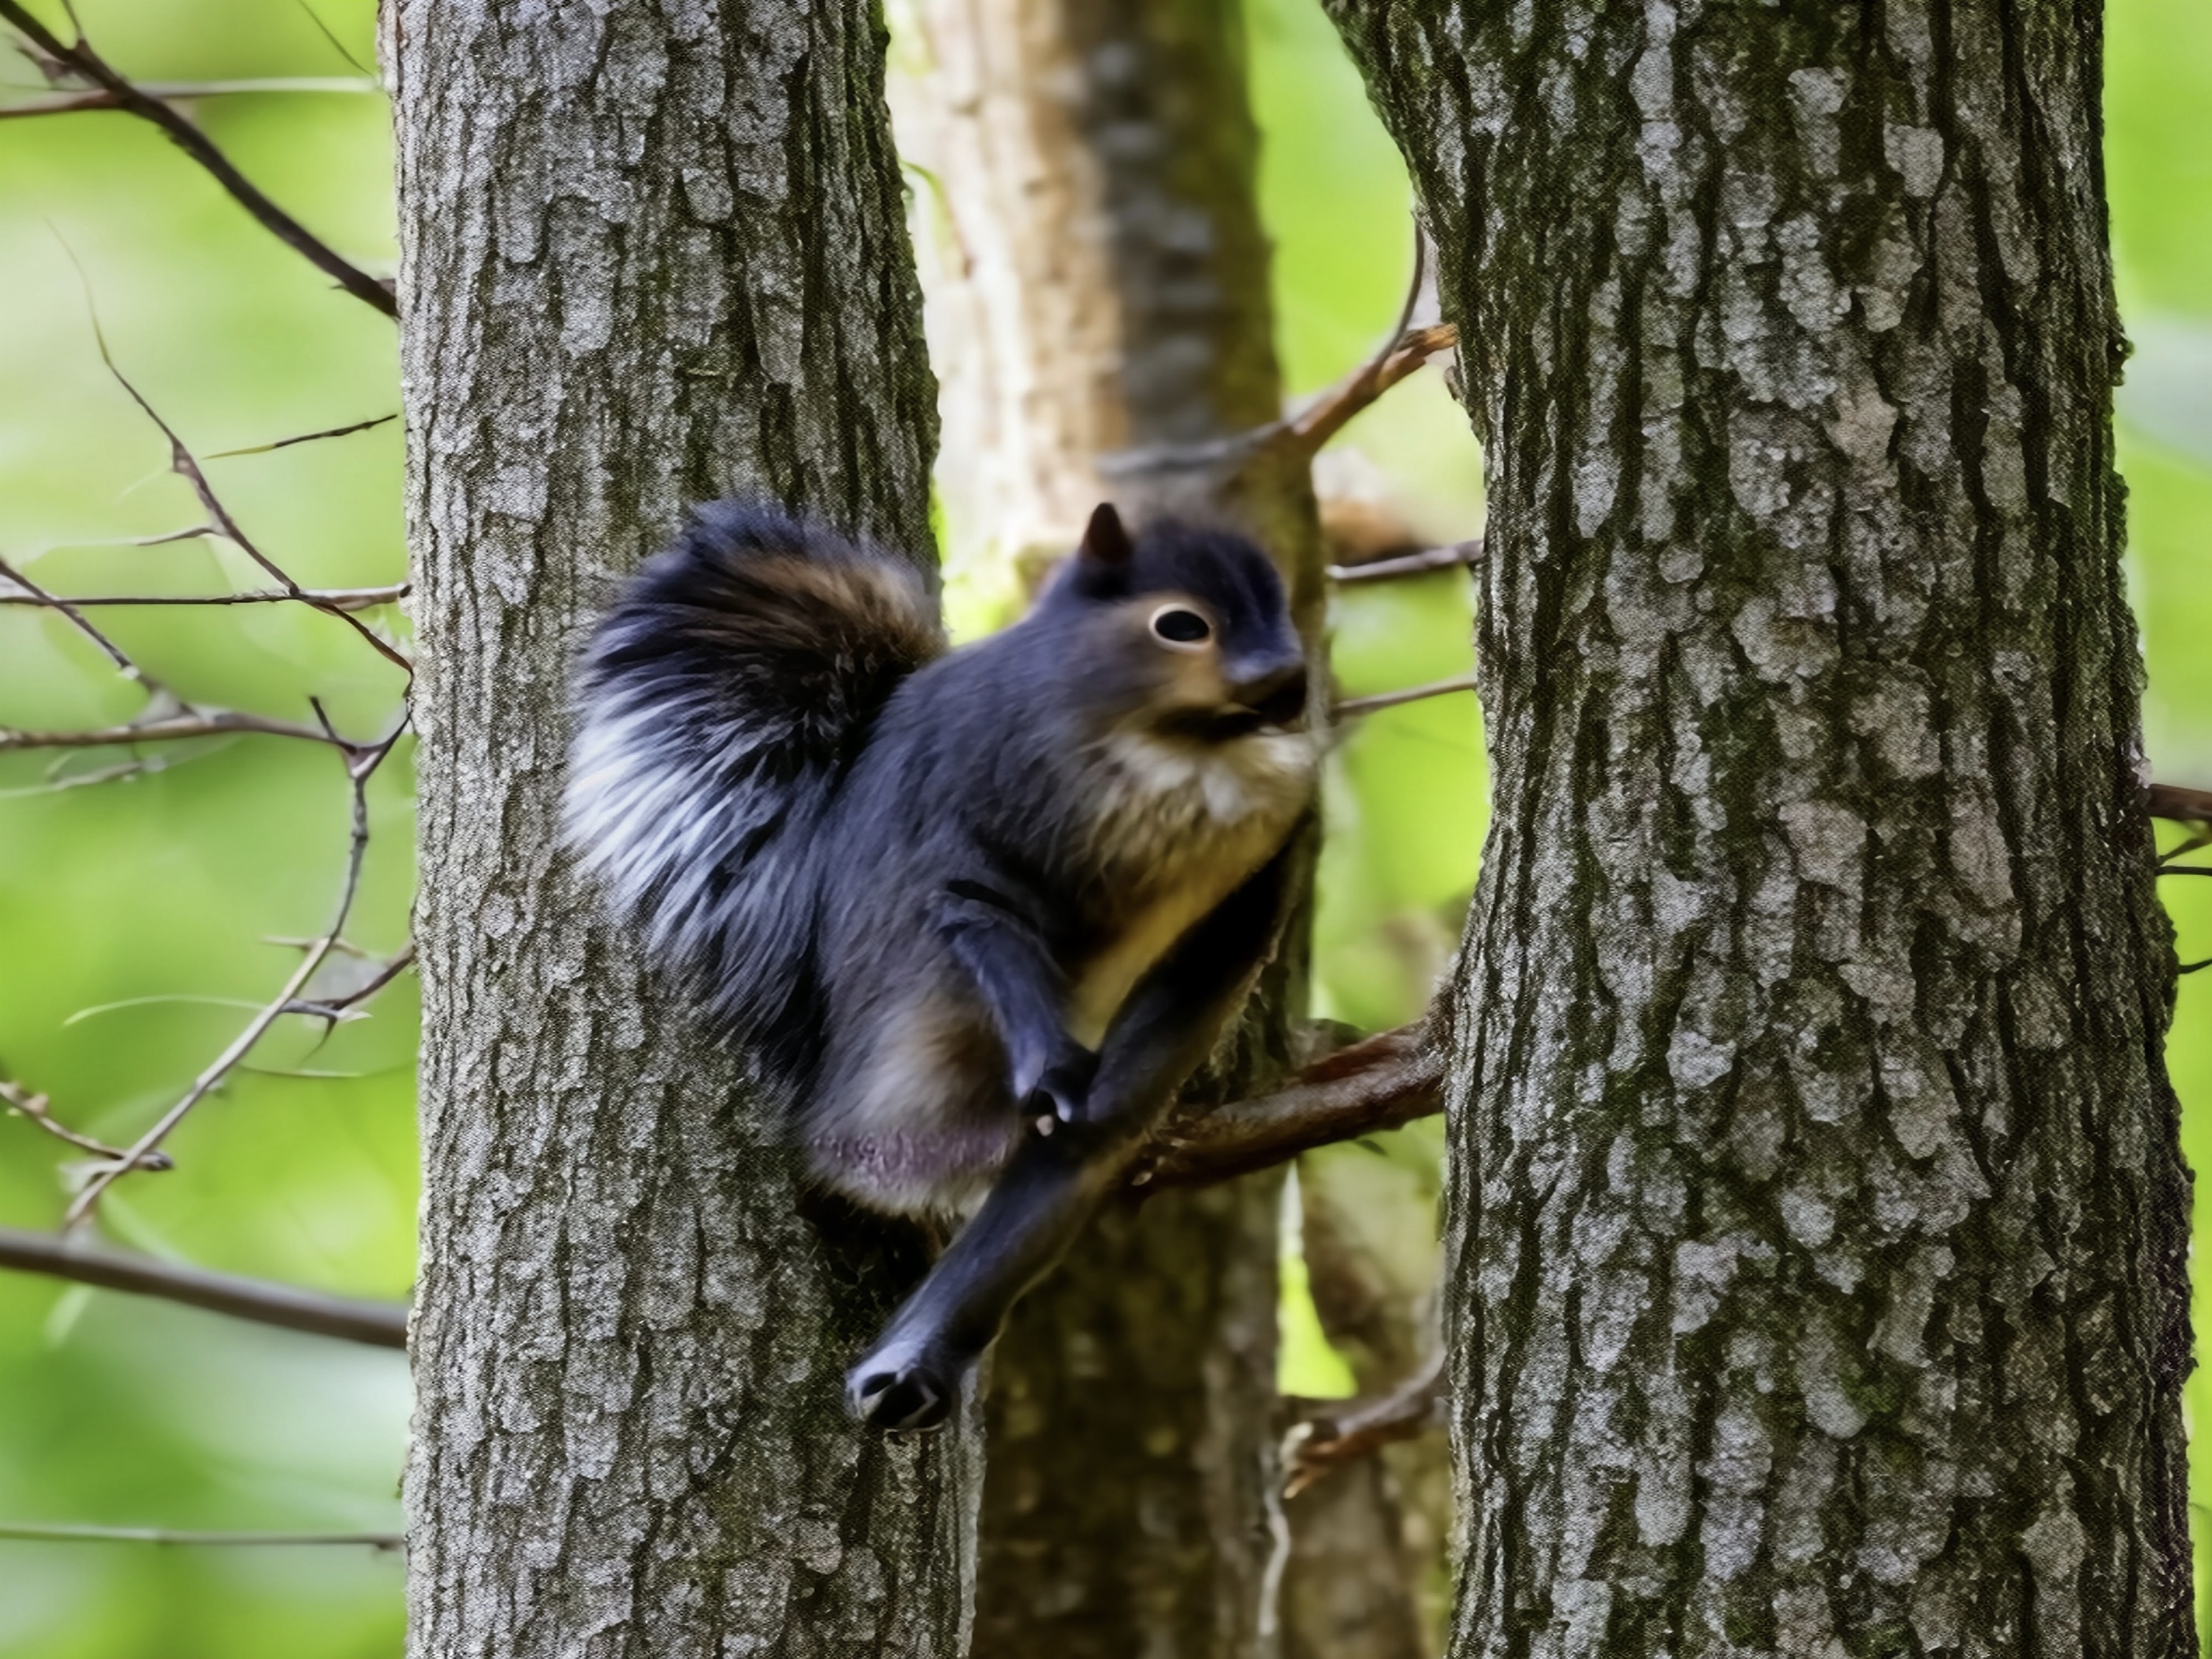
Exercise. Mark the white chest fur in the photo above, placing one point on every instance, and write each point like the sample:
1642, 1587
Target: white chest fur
1188, 823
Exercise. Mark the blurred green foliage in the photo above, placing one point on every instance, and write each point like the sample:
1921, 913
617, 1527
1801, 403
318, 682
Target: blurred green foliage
168, 884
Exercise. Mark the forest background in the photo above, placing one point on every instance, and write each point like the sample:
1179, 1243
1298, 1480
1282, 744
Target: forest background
136, 912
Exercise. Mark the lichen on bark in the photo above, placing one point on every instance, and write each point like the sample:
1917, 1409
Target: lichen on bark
1817, 1223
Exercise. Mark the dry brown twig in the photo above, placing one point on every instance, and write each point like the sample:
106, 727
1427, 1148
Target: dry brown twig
60, 59
379, 1324
167, 729
1381, 1082
1452, 555
361, 763
184, 92
1351, 707
185, 465
321, 599
1302, 435
1410, 349
1360, 1428
36, 1532
2168, 801
34, 1108
168, 717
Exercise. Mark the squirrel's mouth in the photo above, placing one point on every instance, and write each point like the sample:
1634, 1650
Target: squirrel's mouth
1226, 725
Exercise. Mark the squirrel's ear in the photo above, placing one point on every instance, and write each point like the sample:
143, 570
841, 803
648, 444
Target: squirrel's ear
1104, 541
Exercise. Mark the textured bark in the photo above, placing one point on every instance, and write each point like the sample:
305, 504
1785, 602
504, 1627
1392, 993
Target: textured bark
1107, 309
1817, 1223
651, 255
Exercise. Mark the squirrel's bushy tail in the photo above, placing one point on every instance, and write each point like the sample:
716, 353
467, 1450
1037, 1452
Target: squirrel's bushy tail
720, 699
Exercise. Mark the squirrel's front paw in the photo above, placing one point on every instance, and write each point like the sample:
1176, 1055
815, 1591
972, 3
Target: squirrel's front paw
1063, 1091
913, 1389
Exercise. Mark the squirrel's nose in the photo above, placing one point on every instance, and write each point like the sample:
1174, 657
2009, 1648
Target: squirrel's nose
1276, 693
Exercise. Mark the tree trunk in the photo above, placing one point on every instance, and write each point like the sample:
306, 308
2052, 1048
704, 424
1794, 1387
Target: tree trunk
1106, 310
1817, 1223
651, 256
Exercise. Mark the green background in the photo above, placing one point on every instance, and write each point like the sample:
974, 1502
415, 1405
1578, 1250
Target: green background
160, 890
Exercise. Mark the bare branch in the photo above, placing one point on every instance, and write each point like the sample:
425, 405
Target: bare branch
337, 44
321, 599
1329, 413
1360, 1428
305, 438
2168, 801
167, 728
379, 1324
33, 595
35, 1107
185, 465
185, 91
1409, 564
332, 1008
1383, 1082
66, 1534
86, 64
1351, 706
1303, 435
360, 766
68, 103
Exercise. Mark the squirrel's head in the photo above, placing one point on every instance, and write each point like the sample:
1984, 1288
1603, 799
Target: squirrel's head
1186, 631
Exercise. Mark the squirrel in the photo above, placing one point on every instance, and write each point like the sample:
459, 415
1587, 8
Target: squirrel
975, 914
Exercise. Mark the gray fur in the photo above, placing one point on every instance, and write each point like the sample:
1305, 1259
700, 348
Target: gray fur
842, 839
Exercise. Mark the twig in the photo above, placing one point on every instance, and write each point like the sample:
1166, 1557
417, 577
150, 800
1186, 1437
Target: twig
1409, 564
337, 44
82, 61
2169, 800
321, 599
1404, 351
305, 437
65, 1533
36, 1109
34, 594
1361, 1428
185, 465
360, 766
199, 723
1330, 413
1381, 1084
379, 1324
1354, 706
185, 91
331, 1007
1302, 435
243, 85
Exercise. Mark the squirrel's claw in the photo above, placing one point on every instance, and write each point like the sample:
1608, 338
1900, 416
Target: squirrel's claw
911, 1392
1063, 1090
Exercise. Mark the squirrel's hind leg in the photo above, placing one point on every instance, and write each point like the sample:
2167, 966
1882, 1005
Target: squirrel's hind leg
1057, 1179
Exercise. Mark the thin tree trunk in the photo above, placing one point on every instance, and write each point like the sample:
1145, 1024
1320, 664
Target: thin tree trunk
1817, 1224
1369, 1226
651, 256
1107, 309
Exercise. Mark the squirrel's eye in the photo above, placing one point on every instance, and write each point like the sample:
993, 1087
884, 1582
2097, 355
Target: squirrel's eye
1179, 625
